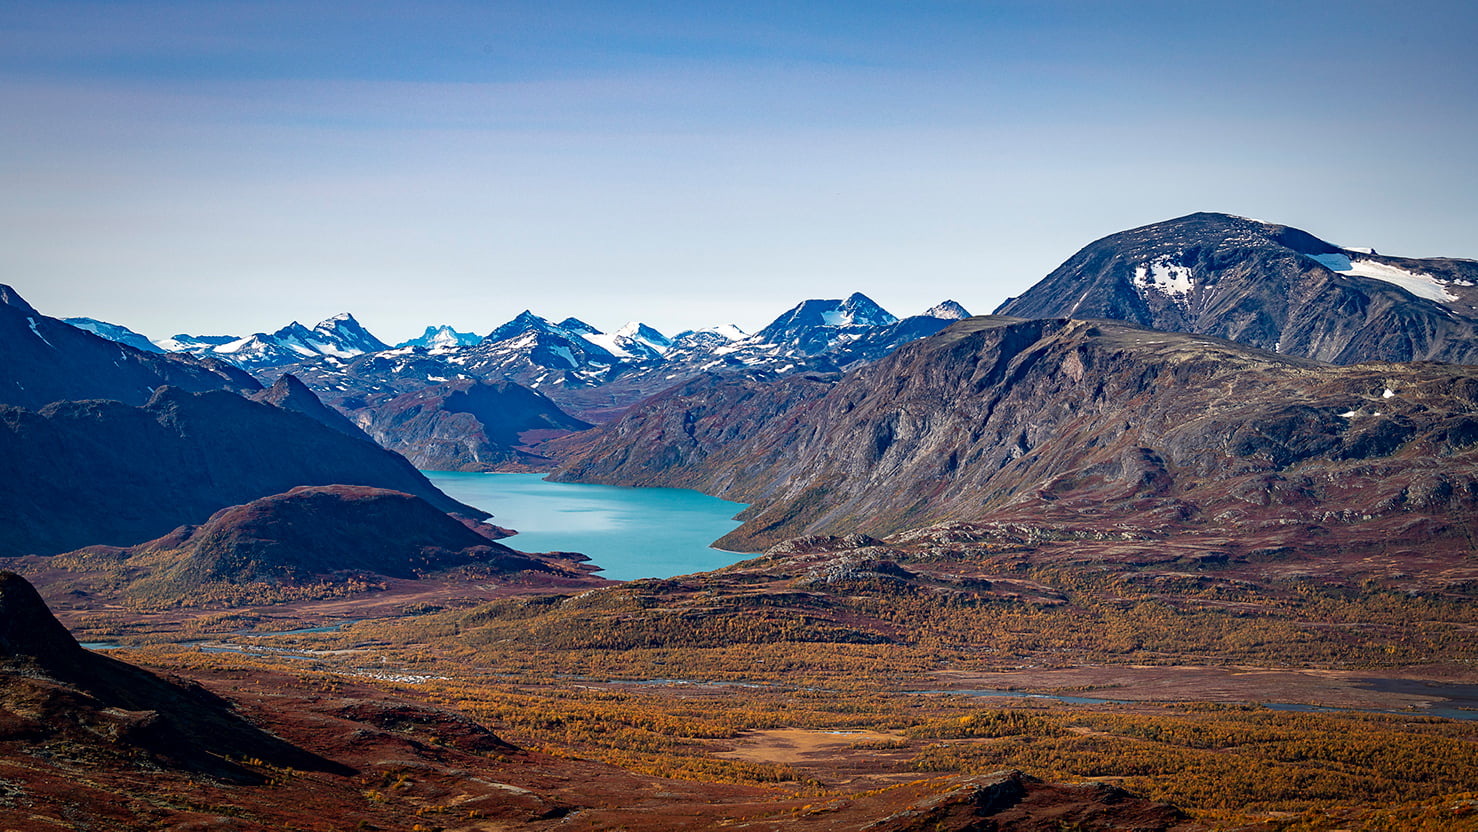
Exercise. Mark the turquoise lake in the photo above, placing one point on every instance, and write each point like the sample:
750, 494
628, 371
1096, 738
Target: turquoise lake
631, 532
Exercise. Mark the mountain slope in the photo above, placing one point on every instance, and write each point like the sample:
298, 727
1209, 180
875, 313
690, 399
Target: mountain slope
466, 425
1269, 286
43, 360
1086, 423
102, 472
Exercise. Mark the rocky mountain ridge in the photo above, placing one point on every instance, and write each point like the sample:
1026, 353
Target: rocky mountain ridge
340, 336
44, 360
1086, 424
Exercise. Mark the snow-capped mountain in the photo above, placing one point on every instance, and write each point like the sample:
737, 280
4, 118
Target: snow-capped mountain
1271, 286
635, 342
594, 374
340, 337
947, 311
814, 326
194, 344
528, 348
442, 338
114, 332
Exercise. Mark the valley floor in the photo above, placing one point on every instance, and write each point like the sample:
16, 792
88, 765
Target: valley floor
837, 683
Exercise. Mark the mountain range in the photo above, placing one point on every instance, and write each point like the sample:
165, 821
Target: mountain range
340, 336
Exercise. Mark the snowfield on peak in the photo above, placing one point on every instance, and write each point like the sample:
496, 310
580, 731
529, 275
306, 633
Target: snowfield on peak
1421, 285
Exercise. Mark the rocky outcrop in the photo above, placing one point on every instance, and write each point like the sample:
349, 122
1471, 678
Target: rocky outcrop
44, 360
61, 701
467, 425
1076, 422
103, 472
1270, 286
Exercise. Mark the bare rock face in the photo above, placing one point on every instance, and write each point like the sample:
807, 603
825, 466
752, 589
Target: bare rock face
1270, 286
1085, 422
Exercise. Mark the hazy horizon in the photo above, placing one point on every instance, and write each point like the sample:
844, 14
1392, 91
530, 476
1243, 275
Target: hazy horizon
226, 168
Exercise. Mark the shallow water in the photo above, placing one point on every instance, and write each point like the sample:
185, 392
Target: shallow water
629, 532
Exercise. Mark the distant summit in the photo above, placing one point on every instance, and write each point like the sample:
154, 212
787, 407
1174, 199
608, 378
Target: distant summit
114, 332
339, 337
814, 326
947, 311
442, 337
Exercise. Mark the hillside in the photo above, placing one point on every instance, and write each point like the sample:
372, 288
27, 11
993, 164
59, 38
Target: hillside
59, 701
319, 541
1086, 423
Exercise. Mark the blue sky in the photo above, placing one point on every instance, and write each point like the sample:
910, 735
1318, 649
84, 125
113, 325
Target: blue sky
225, 167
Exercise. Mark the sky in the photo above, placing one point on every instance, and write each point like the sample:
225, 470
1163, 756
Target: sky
227, 167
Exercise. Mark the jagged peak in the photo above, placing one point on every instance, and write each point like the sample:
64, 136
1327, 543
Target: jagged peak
521, 323
948, 310
578, 327
639, 330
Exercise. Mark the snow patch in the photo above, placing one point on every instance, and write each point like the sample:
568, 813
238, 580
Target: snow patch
608, 342
1422, 285
37, 332
1164, 277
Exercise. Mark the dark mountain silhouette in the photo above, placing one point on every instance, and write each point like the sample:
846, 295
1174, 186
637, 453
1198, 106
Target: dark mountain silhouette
103, 472
44, 360
309, 534
289, 393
